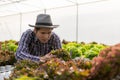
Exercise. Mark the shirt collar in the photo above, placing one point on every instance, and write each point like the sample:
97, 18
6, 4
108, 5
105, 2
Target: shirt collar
36, 39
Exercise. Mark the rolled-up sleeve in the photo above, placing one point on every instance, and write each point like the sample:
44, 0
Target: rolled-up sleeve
23, 48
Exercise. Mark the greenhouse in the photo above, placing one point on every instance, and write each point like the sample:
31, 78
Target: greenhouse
85, 46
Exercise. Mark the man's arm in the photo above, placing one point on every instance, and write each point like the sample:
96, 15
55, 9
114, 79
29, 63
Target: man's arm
23, 48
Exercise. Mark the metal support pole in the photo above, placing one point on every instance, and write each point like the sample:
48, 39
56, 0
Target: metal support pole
77, 22
45, 11
20, 23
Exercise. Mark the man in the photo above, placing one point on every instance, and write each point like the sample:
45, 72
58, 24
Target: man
38, 42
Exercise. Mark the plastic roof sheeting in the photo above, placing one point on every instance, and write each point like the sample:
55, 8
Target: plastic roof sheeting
13, 7
8, 7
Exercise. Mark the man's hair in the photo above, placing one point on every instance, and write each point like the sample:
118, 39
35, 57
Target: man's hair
37, 28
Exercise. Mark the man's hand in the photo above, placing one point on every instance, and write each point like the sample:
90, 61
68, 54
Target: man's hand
46, 57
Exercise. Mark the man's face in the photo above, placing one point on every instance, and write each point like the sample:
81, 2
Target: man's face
44, 34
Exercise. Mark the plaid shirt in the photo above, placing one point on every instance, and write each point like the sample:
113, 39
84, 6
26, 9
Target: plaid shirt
31, 48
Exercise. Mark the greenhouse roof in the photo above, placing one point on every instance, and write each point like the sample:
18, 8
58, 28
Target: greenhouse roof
8, 7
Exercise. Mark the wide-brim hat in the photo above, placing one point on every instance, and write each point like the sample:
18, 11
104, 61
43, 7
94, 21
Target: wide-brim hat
44, 20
